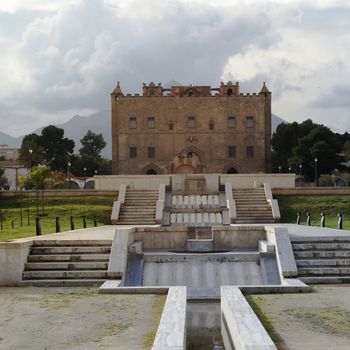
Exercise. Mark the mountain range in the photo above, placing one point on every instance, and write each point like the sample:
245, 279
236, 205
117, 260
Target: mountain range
99, 123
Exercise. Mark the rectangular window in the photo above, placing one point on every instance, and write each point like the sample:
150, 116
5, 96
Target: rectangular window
133, 152
132, 123
151, 152
191, 123
171, 126
211, 125
250, 151
250, 122
231, 122
151, 123
231, 151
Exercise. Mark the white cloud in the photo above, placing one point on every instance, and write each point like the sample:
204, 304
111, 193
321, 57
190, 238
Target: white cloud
67, 55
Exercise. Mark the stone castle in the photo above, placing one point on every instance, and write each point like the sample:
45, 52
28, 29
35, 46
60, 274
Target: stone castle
191, 130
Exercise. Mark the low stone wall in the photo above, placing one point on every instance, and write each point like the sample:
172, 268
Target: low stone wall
258, 180
171, 333
240, 327
13, 256
134, 182
60, 193
243, 237
311, 191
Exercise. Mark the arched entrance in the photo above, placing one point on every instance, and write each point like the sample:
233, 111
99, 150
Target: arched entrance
151, 172
232, 171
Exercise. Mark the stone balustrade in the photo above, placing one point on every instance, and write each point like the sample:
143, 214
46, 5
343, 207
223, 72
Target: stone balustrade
204, 219
195, 201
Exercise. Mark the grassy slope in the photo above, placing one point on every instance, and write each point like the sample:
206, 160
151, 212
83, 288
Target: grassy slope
331, 205
63, 207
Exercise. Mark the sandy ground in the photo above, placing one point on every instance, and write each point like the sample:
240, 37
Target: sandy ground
313, 321
76, 318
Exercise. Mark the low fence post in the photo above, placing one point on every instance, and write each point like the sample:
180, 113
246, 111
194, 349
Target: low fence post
298, 218
37, 226
95, 221
12, 224
71, 223
84, 221
323, 219
340, 221
308, 219
58, 226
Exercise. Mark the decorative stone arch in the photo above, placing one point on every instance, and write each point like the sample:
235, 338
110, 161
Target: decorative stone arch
229, 169
190, 160
152, 169
191, 149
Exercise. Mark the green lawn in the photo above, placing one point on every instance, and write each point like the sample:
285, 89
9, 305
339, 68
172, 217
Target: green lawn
62, 207
331, 205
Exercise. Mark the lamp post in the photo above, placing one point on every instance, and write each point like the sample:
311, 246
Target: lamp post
69, 164
316, 160
300, 166
289, 169
279, 169
84, 177
30, 158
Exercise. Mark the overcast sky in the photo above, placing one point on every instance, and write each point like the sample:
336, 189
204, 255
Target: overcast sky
63, 57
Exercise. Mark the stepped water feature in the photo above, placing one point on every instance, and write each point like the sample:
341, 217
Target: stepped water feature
322, 259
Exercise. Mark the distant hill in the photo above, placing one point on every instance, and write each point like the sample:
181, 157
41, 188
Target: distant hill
99, 123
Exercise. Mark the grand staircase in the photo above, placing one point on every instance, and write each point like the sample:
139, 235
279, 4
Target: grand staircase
252, 206
67, 262
322, 259
139, 208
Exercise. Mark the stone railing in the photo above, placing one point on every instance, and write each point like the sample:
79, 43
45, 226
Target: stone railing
273, 202
117, 204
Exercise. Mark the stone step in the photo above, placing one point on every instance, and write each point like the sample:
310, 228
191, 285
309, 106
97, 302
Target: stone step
43, 266
69, 250
325, 279
49, 275
74, 242
321, 246
136, 222
138, 209
322, 254
255, 213
331, 239
253, 207
63, 282
323, 262
257, 221
320, 271
69, 257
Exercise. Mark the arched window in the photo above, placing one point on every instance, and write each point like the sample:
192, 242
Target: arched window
229, 92
151, 172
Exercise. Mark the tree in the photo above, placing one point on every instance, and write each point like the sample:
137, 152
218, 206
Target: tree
56, 148
299, 144
31, 142
92, 144
38, 175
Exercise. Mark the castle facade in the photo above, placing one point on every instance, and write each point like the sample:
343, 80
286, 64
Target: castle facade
191, 130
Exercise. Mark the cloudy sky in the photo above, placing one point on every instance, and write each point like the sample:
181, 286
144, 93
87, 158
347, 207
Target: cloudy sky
63, 57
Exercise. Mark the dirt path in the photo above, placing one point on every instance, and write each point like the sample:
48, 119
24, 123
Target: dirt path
76, 318
312, 321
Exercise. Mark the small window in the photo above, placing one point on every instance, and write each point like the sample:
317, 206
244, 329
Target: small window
133, 152
250, 122
250, 151
231, 151
191, 123
151, 123
171, 125
231, 122
132, 123
151, 152
211, 125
